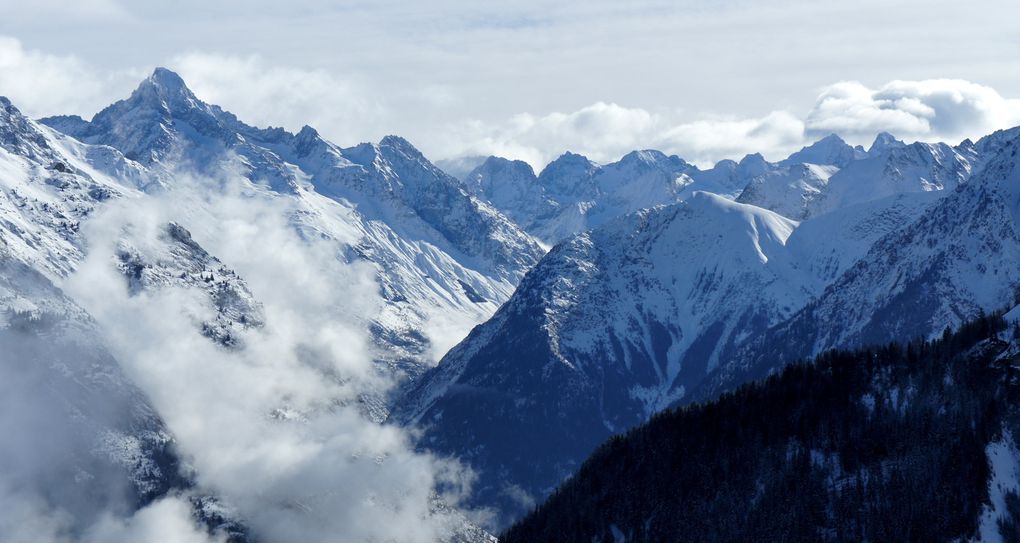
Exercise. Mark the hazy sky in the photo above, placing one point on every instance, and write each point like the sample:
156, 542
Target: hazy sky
531, 79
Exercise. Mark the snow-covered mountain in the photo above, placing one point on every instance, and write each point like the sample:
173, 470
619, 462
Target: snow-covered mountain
83, 427
828, 151
790, 191
51, 184
512, 187
666, 283
612, 326
959, 257
444, 260
617, 323
918, 167
844, 176
437, 252
573, 194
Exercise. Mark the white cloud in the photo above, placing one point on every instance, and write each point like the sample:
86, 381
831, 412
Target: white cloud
42, 84
168, 520
274, 428
933, 109
930, 110
26, 518
604, 132
706, 141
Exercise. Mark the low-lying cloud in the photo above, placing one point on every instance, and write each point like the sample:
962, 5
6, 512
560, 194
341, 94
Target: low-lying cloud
275, 428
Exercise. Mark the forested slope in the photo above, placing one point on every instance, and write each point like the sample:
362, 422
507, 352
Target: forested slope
889, 443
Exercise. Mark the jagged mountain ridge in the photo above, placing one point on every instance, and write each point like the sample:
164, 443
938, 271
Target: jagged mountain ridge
572, 193
443, 259
114, 453
51, 184
955, 260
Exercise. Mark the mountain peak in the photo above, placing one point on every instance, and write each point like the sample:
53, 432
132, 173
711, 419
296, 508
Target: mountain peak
164, 89
831, 141
830, 150
502, 167
647, 160
884, 141
648, 156
753, 158
17, 131
493, 160
401, 145
569, 160
166, 78
753, 165
569, 156
307, 132
166, 83
498, 161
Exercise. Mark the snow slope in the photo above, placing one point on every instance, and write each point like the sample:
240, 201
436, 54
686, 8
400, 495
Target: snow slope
611, 326
957, 258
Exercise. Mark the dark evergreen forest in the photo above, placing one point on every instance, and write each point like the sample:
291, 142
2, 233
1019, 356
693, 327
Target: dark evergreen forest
877, 444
